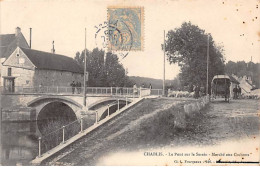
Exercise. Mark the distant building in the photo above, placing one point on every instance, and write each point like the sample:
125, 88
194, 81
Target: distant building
32, 68
245, 83
9, 42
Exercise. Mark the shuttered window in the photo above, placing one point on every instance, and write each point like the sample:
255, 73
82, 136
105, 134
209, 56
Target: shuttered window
9, 72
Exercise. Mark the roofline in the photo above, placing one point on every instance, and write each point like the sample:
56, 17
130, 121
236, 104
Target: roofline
60, 70
8, 34
26, 41
13, 53
46, 52
28, 58
15, 36
221, 77
10, 55
20, 67
51, 54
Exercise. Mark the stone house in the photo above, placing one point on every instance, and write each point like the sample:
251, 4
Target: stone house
9, 42
32, 68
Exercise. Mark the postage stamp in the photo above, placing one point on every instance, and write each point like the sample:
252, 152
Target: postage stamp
108, 33
126, 28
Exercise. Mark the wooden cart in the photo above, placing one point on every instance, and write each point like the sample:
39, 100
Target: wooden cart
220, 87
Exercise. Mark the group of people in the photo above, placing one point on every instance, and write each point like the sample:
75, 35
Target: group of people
198, 91
237, 92
135, 89
77, 86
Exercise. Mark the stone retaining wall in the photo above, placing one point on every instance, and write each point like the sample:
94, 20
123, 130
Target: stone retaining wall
188, 110
20, 114
197, 105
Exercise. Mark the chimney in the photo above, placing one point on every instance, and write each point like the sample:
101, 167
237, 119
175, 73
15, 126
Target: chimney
17, 31
53, 49
30, 38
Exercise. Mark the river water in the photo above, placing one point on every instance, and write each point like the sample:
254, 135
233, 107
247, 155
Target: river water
19, 140
19, 143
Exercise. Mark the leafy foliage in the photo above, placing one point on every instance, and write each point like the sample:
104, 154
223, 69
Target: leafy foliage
187, 46
109, 73
156, 83
241, 68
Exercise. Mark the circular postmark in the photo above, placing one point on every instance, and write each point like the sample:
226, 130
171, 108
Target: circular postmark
113, 38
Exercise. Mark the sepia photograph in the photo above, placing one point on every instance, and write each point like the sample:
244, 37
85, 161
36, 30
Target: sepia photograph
129, 83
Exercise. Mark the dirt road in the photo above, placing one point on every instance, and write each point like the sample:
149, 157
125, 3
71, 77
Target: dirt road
222, 121
151, 124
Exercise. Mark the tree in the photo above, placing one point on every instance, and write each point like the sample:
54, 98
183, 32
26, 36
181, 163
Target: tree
174, 84
241, 68
103, 74
115, 71
187, 46
231, 68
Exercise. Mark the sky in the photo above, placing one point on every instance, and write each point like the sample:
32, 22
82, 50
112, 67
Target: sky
234, 24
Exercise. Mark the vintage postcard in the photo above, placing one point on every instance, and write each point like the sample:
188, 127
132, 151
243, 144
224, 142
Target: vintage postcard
129, 83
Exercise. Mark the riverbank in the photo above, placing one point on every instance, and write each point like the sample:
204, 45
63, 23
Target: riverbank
133, 129
150, 126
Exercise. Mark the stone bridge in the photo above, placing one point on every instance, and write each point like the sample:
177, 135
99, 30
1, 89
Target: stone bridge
39, 102
43, 106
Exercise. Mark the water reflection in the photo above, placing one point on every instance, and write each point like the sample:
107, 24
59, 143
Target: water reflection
19, 143
20, 139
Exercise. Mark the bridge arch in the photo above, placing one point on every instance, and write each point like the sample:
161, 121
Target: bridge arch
53, 98
55, 110
40, 102
54, 115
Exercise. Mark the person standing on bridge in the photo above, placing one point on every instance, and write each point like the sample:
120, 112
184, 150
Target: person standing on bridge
40, 88
73, 85
79, 86
151, 87
135, 89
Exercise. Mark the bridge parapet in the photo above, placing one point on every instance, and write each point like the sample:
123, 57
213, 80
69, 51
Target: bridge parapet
70, 90
93, 91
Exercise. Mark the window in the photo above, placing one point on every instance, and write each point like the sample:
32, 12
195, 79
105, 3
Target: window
9, 72
17, 54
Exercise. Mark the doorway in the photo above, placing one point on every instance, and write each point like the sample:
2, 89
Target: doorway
9, 84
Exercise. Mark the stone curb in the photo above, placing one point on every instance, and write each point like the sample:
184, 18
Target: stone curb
196, 106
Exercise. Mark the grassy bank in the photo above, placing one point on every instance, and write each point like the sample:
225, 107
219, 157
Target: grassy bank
151, 123
169, 126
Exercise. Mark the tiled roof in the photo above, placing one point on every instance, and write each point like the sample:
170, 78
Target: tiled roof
50, 61
232, 79
9, 42
6, 39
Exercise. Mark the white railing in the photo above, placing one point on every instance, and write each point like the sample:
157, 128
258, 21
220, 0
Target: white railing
59, 136
145, 92
124, 91
156, 92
